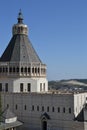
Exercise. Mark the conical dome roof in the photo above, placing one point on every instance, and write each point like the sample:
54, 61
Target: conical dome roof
20, 48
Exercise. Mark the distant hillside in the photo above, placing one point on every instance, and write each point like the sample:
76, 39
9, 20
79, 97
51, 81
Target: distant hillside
71, 84
82, 80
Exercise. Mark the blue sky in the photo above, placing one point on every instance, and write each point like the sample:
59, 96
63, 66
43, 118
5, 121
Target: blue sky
57, 30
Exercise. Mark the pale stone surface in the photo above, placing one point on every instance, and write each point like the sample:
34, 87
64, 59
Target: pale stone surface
14, 84
58, 121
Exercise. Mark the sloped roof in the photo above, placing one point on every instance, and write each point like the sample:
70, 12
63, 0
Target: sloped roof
20, 49
10, 125
8, 114
45, 116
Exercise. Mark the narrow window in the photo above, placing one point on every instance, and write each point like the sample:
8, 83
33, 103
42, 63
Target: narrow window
13, 69
0, 87
44, 86
29, 87
69, 110
18, 29
44, 71
37, 108
21, 28
64, 110
7, 105
32, 70
40, 86
10, 69
47, 109
58, 109
17, 69
29, 69
16, 107
25, 107
52, 109
22, 69
25, 69
6, 87
21, 87
33, 108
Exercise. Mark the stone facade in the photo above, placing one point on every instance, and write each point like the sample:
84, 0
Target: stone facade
58, 110
28, 84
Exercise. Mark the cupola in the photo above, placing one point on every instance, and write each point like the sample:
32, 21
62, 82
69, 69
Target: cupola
20, 28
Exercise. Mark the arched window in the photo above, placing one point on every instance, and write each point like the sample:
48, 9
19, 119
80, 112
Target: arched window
29, 69
10, 69
13, 69
18, 29
17, 69
6, 87
25, 69
21, 28
25, 107
7, 105
37, 108
48, 109
32, 107
40, 86
16, 106
64, 110
33, 70
69, 110
52, 109
22, 69
29, 87
44, 86
21, 87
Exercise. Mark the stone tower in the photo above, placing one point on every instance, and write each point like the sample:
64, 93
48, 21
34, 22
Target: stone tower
21, 69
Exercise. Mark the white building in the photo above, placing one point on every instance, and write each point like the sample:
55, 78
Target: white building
24, 89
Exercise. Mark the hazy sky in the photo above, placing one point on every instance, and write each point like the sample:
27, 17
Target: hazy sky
57, 30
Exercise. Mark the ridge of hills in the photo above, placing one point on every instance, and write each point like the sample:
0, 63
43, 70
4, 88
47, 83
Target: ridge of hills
70, 84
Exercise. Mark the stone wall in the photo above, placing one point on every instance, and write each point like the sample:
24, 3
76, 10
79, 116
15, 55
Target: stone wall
32, 109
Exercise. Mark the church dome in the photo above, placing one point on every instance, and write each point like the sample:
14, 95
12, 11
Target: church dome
20, 57
20, 48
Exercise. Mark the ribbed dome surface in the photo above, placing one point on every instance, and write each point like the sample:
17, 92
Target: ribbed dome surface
20, 49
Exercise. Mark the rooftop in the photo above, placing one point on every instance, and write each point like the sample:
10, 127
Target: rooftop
55, 92
20, 48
